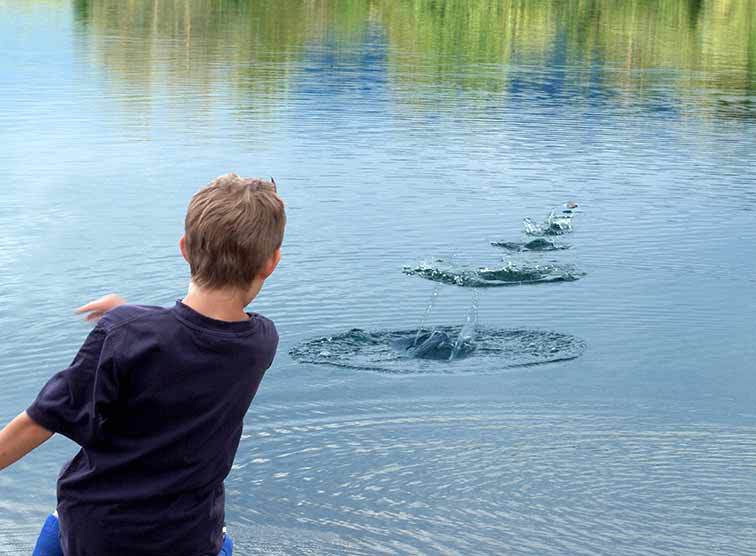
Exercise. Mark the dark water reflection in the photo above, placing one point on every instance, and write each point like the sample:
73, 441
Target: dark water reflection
405, 131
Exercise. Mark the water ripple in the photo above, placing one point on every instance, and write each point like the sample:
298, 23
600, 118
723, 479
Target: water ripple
459, 477
411, 351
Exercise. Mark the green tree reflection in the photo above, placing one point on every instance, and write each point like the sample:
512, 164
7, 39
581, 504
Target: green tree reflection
704, 49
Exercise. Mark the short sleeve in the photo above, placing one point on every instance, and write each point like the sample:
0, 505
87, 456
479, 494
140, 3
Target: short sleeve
271, 343
77, 401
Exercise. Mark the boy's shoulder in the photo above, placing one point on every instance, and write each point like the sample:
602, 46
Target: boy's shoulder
128, 313
150, 316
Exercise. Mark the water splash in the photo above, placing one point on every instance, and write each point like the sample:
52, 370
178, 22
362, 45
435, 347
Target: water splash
482, 350
510, 274
552, 226
558, 222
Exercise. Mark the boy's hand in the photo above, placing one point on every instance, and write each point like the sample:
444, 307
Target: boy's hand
97, 308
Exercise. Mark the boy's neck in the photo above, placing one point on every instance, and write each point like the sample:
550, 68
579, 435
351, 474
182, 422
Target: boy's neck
227, 305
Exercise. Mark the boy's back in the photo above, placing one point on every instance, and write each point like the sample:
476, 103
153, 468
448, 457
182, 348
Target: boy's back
156, 398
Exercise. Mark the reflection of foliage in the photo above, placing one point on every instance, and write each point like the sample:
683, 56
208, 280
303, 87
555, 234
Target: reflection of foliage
466, 43
449, 41
442, 40
712, 36
209, 42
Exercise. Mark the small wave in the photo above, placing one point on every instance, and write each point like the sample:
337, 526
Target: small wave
413, 351
538, 244
509, 275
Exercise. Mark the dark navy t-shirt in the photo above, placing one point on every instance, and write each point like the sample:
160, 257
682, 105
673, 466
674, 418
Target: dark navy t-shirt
155, 398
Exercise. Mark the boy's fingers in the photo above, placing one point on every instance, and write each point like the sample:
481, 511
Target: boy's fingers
92, 307
88, 307
96, 315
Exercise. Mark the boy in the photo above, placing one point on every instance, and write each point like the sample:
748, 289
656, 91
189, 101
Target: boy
156, 397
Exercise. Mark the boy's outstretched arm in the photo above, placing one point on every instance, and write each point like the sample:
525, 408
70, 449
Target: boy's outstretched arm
19, 438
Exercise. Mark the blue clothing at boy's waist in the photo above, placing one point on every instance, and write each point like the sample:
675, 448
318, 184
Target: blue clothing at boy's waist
48, 543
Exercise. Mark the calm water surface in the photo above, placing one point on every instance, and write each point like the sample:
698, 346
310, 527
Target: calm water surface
402, 132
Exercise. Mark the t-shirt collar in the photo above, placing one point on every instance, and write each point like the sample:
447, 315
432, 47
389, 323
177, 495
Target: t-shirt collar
189, 315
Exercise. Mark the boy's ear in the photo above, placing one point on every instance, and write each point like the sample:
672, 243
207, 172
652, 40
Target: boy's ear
182, 248
271, 265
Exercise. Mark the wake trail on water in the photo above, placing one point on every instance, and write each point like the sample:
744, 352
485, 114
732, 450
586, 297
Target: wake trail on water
483, 350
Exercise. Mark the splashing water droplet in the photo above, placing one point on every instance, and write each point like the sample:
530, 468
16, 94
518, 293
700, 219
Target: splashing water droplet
428, 309
467, 334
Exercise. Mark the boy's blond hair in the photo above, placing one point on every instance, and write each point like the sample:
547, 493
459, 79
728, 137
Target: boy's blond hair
233, 227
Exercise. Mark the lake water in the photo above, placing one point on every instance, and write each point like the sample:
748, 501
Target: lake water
404, 133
